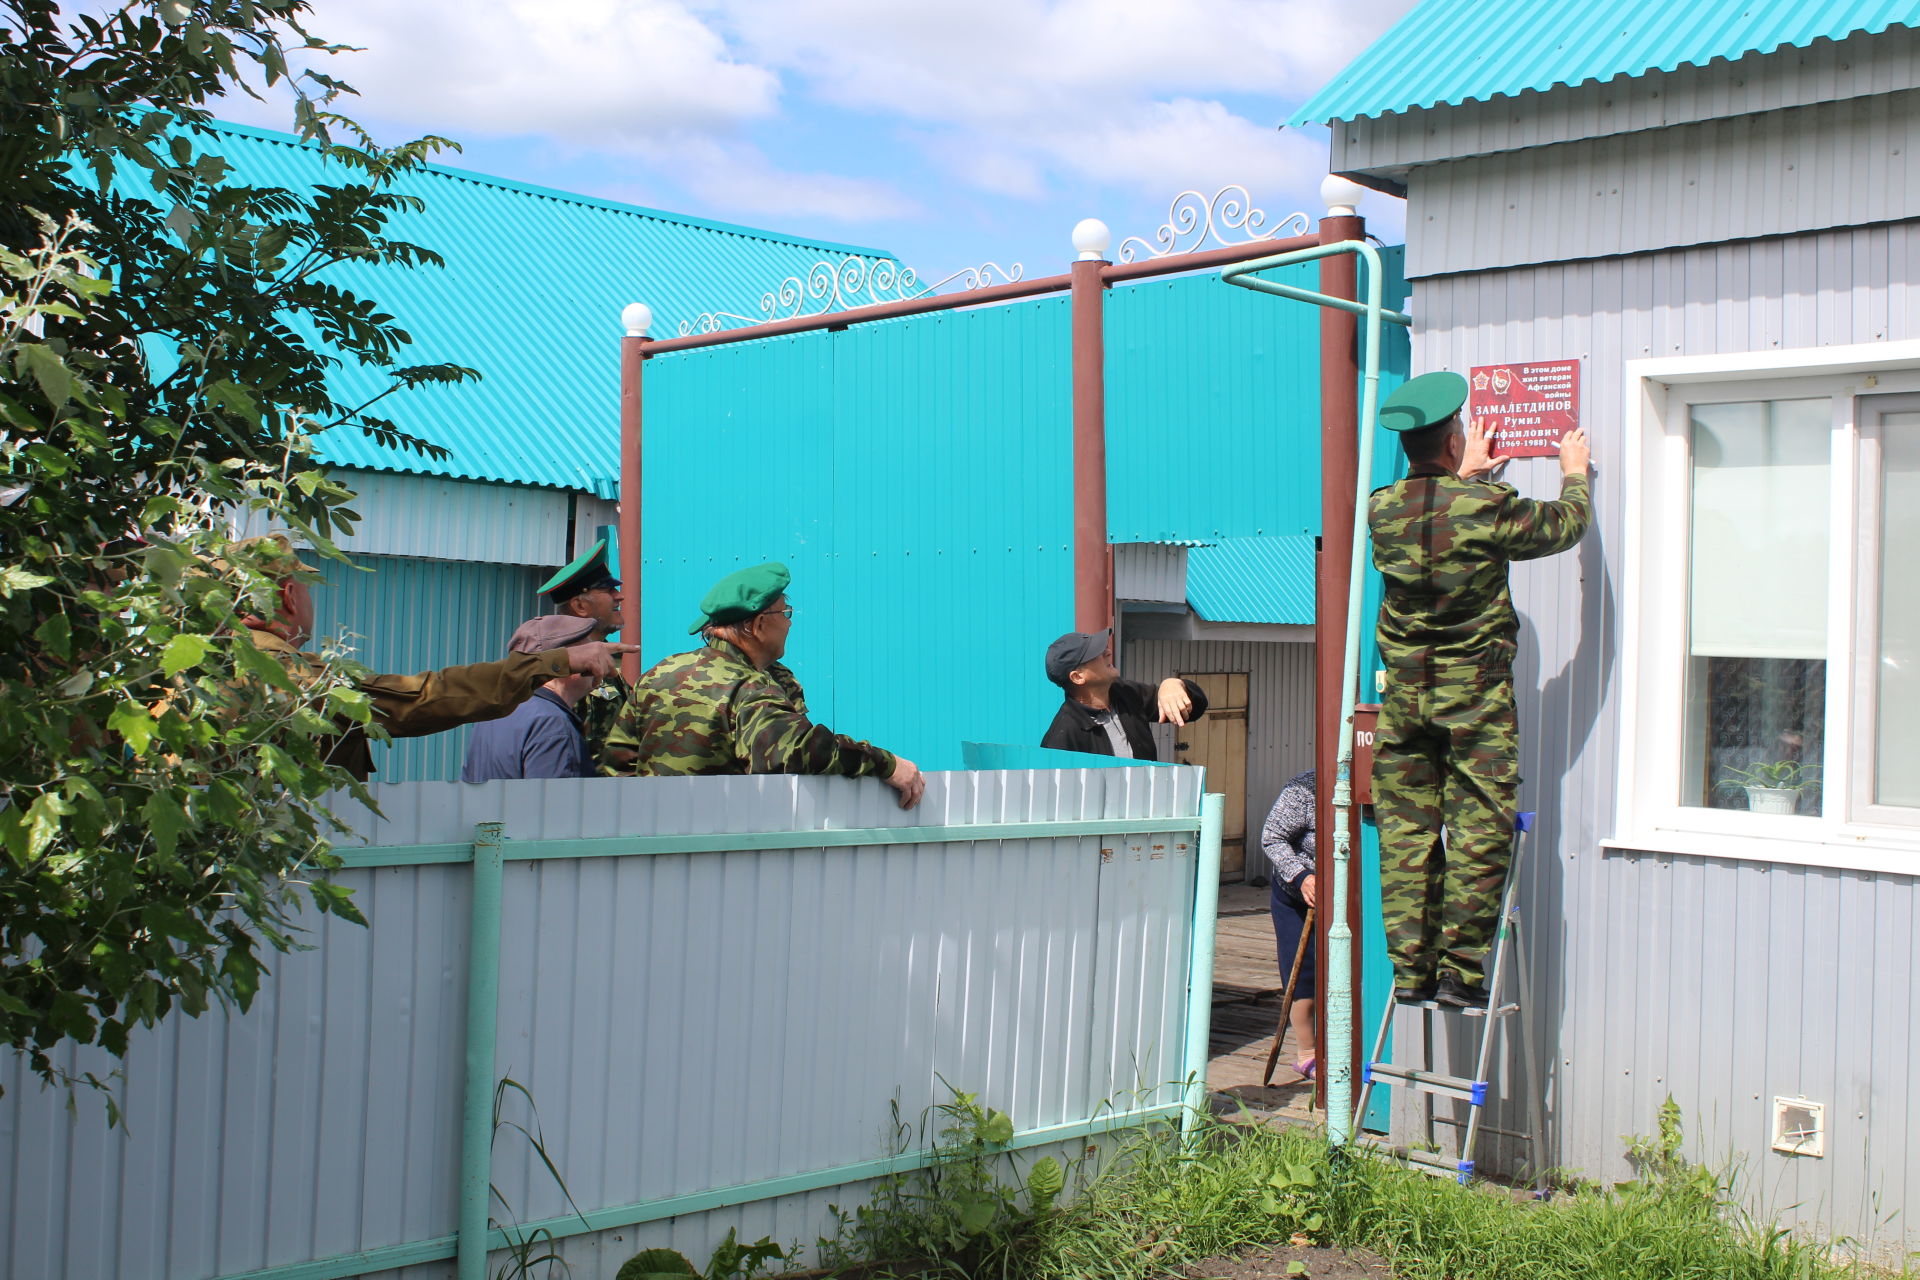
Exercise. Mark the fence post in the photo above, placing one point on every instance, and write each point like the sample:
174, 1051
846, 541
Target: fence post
1206, 907
483, 1009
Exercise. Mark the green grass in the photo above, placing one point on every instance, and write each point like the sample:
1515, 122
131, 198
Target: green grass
1158, 1208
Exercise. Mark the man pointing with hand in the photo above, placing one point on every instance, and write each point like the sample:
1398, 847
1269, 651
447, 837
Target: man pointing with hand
1103, 714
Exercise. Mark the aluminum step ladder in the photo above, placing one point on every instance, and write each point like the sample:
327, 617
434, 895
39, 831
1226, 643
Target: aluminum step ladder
1509, 969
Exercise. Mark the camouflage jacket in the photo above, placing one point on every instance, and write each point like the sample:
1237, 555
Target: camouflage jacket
711, 711
1443, 545
597, 712
430, 702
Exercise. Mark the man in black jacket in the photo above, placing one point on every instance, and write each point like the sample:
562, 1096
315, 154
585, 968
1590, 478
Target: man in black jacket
1103, 714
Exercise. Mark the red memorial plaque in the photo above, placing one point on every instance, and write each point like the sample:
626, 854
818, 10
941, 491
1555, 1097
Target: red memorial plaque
1528, 406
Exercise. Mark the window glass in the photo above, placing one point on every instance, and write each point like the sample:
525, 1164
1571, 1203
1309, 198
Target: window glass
1757, 605
1896, 775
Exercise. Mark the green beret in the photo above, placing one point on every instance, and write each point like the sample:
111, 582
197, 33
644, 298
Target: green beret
742, 594
1425, 401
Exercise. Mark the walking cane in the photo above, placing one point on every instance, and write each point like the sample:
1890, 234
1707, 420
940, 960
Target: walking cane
1286, 998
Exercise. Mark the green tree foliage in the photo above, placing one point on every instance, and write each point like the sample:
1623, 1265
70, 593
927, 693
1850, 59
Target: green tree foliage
166, 335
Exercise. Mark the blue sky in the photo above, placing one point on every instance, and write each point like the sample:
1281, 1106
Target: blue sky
952, 134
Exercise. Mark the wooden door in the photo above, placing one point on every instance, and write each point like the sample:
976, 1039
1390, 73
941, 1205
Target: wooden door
1218, 741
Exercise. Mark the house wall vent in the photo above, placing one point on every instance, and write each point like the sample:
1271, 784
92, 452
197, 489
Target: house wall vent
1799, 1127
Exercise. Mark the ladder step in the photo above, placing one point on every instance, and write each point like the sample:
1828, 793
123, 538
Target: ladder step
1434, 1162
1457, 1087
1435, 1006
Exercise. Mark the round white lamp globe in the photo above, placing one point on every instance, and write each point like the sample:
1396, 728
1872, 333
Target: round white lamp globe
638, 318
1343, 195
1091, 238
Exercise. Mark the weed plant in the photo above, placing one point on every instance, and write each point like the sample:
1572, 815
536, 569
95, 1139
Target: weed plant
1163, 1204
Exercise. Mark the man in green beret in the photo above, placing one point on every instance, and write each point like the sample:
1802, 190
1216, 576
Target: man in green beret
1446, 753
587, 589
731, 707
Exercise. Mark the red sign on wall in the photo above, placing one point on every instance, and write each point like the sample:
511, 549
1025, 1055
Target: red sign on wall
1528, 406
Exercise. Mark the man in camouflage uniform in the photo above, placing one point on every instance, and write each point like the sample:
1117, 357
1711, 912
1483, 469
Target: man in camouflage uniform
731, 707
1446, 754
587, 589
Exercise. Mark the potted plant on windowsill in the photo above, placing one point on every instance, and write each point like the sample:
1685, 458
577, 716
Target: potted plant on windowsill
1772, 786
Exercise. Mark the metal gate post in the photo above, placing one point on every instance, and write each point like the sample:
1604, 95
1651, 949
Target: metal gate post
1339, 475
637, 318
1206, 912
1092, 557
483, 1011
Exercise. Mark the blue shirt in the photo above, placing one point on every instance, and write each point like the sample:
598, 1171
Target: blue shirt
541, 738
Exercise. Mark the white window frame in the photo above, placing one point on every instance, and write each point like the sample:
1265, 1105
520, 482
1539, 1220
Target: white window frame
1649, 815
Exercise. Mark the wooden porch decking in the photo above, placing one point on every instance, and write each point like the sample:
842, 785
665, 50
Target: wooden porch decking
1246, 1007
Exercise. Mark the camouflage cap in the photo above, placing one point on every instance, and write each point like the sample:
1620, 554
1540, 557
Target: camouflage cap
554, 631
1425, 401
742, 594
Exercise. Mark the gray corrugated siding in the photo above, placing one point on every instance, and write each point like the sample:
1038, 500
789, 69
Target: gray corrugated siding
1719, 981
685, 1022
440, 519
1837, 164
1151, 572
1279, 708
1788, 77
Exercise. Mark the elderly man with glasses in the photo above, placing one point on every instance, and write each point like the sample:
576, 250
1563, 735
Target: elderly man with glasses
730, 706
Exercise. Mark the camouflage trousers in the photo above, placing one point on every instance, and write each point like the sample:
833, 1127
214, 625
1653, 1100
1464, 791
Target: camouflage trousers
1445, 758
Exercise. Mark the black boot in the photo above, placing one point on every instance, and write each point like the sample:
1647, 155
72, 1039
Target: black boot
1454, 993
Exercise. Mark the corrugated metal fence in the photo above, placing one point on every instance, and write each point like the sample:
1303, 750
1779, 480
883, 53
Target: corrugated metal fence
716, 989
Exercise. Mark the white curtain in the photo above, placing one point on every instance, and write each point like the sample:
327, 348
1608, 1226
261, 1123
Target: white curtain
1897, 758
1758, 562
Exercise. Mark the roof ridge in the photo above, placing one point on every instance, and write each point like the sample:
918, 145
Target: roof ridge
576, 197
1603, 46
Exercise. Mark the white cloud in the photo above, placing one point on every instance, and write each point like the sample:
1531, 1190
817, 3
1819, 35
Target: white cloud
740, 178
1015, 99
1120, 91
589, 72
1168, 146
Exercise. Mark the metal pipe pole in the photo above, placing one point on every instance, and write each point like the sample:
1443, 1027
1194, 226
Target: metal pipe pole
1092, 557
1339, 387
633, 360
1337, 1052
483, 1010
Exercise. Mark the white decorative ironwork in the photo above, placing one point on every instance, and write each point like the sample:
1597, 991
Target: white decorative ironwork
828, 286
979, 277
711, 322
1193, 220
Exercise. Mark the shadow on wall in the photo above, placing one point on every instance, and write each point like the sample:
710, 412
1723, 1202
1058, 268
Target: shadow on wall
1559, 715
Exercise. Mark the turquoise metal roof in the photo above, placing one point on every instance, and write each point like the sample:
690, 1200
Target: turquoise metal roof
1447, 52
531, 296
1266, 579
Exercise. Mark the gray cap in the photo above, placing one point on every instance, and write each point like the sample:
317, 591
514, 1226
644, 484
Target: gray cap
552, 631
1074, 649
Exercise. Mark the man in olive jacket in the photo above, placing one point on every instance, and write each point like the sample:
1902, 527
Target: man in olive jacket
1103, 714
408, 706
